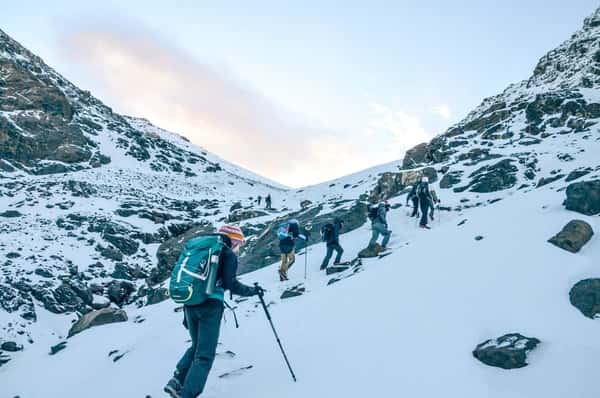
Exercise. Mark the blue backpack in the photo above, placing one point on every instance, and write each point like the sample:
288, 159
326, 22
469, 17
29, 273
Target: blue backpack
194, 276
283, 230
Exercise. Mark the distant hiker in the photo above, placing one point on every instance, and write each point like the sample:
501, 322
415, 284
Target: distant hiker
200, 285
331, 236
287, 233
426, 201
377, 214
268, 202
259, 199
414, 198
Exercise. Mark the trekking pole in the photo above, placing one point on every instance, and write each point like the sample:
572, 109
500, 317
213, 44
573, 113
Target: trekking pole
308, 228
262, 301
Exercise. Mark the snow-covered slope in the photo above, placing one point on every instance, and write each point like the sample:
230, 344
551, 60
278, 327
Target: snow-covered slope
93, 232
404, 326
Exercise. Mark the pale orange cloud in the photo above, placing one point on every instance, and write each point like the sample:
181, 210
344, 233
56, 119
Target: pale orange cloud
144, 76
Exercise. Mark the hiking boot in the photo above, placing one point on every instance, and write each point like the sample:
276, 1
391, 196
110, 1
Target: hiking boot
425, 226
282, 276
173, 388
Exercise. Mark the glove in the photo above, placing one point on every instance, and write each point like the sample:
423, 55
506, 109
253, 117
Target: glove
302, 237
259, 291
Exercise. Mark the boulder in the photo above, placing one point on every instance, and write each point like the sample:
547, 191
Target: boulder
492, 178
585, 296
235, 206
371, 251
155, 296
10, 214
416, 156
450, 179
573, 236
506, 352
293, 292
584, 197
126, 245
241, 215
11, 346
119, 291
97, 318
392, 184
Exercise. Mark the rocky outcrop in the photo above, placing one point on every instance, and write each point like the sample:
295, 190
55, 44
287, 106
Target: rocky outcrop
371, 251
392, 184
585, 296
506, 352
573, 236
584, 197
241, 215
97, 318
492, 178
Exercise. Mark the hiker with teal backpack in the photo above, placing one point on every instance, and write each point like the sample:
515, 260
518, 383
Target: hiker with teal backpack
205, 269
287, 233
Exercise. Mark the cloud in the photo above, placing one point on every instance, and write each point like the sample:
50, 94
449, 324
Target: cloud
443, 110
144, 76
401, 130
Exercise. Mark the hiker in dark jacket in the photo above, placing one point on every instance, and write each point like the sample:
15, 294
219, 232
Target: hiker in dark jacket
412, 196
331, 235
259, 199
426, 200
287, 245
379, 225
268, 202
203, 321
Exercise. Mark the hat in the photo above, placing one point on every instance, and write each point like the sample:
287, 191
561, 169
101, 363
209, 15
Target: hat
234, 233
425, 179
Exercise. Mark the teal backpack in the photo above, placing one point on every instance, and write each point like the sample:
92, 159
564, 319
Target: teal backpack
194, 276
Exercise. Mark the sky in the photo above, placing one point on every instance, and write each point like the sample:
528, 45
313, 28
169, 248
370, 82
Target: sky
297, 91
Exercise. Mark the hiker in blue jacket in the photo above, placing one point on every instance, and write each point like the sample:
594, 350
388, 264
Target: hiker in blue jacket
203, 321
331, 236
288, 233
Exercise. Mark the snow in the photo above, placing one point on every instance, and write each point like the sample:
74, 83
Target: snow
405, 326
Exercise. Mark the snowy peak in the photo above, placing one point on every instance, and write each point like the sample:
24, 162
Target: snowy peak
573, 64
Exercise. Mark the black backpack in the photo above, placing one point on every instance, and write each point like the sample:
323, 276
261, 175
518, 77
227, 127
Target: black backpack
327, 232
373, 211
423, 189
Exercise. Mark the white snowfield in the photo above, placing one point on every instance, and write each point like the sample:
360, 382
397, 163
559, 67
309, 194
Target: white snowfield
405, 326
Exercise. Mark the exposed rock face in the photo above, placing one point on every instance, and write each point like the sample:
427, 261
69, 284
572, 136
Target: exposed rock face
241, 215
585, 296
506, 352
573, 236
496, 177
416, 156
584, 197
392, 184
97, 318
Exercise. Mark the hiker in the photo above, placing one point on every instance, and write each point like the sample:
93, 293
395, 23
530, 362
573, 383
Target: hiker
203, 318
268, 202
412, 196
288, 232
377, 214
259, 199
426, 201
331, 236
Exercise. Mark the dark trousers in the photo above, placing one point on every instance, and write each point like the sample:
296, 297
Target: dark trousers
330, 248
425, 206
415, 202
204, 322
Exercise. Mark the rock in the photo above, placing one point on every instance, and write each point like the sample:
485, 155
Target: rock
293, 292
125, 271
119, 291
99, 302
506, 352
573, 236
497, 177
416, 156
450, 179
305, 204
97, 318
69, 153
479, 237
58, 347
235, 206
11, 346
584, 197
585, 296
156, 296
126, 245
547, 180
578, 173
110, 252
11, 214
371, 251
392, 184
241, 215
